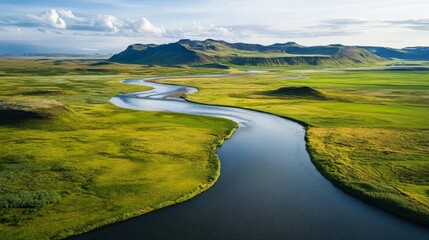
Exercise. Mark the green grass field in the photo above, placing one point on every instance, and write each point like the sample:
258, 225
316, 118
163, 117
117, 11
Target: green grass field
368, 129
70, 161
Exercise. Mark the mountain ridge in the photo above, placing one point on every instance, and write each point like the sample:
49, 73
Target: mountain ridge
210, 51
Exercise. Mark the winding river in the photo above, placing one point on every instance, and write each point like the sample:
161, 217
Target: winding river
268, 187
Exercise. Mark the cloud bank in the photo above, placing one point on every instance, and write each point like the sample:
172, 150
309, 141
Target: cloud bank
109, 25
62, 20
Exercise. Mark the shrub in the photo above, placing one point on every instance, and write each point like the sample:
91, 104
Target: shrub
29, 199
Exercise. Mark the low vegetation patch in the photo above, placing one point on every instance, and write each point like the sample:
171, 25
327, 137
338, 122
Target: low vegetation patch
17, 109
214, 65
299, 91
26, 199
102, 63
376, 165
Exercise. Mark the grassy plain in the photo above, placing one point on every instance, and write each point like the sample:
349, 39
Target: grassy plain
70, 161
368, 129
80, 162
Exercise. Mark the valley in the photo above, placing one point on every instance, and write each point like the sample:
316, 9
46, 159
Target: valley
72, 150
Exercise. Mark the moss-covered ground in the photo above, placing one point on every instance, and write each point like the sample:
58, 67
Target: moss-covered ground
70, 161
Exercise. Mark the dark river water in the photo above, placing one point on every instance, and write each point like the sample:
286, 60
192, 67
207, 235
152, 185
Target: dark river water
268, 187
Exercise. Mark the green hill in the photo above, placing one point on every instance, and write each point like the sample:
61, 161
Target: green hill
297, 91
409, 53
21, 109
189, 52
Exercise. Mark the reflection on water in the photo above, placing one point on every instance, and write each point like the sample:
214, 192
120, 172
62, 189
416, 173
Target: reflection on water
268, 188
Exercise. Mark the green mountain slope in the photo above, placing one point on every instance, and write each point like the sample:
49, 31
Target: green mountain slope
410, 53
188, 52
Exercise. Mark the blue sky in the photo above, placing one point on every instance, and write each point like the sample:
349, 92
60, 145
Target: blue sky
105, 26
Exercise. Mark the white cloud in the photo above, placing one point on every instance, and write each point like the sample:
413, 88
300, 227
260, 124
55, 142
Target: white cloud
50, 18
110, 23
70, 15
211, 30
129, 27
197, 30
415, 24
145, 26
66, 13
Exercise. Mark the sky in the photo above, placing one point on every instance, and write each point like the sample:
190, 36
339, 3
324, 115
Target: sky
109, 26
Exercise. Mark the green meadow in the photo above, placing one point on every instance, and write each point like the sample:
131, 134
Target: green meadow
367, 129
71, 161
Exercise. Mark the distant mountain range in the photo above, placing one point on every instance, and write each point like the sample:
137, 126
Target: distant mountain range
409, 53
220, 54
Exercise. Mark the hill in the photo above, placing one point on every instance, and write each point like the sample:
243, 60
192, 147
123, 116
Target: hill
189, 52
409, 53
